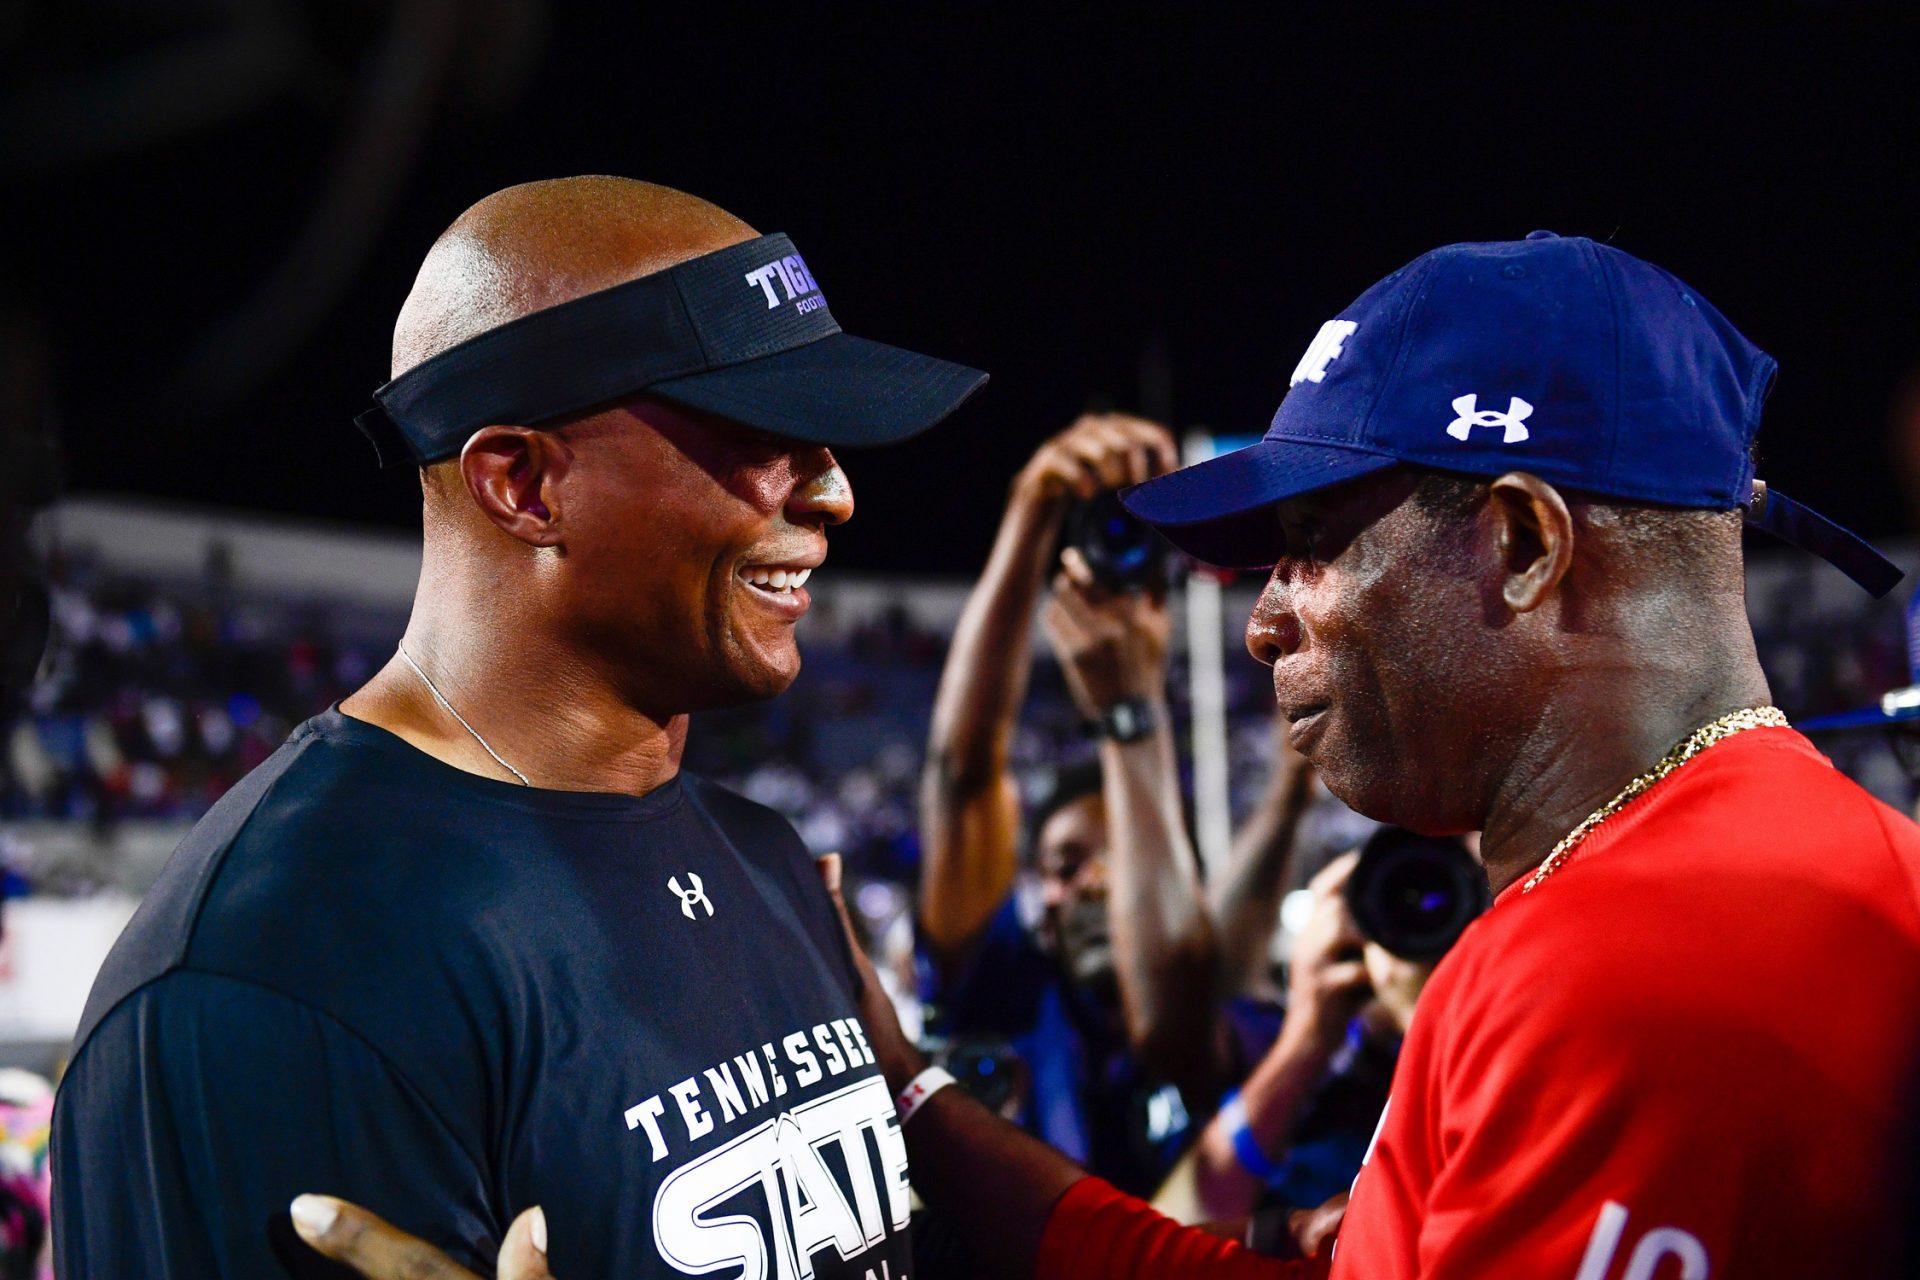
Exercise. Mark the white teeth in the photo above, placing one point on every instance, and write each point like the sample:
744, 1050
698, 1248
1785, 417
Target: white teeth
776, 579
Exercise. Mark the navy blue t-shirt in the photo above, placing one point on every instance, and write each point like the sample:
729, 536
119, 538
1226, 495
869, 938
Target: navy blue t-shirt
369, 974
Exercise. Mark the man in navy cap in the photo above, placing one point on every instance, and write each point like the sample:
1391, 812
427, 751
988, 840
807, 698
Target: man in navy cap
1503, 501
471, 942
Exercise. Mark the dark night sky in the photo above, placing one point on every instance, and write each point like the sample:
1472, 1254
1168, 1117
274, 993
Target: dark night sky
1043, 198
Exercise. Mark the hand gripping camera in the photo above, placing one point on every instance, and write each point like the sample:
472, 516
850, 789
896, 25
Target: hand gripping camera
1124, 553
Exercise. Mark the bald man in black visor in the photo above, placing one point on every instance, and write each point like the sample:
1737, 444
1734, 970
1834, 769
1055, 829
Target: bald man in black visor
471, 941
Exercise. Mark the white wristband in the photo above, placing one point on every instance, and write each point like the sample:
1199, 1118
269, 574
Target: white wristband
919, 1089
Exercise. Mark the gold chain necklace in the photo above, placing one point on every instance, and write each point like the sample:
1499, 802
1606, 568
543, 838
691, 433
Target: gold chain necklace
1684, 750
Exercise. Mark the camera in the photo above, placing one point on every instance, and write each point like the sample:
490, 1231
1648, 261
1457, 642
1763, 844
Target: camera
989, 1069
1415, 895
1124, 553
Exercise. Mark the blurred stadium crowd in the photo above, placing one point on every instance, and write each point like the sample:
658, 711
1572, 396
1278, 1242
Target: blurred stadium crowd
156, 696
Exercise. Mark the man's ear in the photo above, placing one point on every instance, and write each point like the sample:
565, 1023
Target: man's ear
1534, 531
514, 475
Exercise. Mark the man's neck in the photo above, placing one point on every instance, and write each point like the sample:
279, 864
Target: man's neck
1597, 735
552, 720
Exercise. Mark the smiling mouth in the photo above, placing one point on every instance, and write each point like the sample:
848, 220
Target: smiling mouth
775, 580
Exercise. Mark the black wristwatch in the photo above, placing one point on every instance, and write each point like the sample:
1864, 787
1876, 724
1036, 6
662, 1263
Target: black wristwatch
1127, 720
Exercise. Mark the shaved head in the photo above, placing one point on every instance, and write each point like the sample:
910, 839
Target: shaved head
586, 581
543, 243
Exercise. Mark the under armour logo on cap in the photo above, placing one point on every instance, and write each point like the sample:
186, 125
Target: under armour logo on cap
690, 898
1518, 411
1322, 351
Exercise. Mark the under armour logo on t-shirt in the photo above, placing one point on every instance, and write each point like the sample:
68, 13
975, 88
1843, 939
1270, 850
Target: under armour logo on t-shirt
1518, 411
689, 898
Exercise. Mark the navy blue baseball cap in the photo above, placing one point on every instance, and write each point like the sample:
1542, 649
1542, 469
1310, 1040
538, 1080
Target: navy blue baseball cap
1553, 355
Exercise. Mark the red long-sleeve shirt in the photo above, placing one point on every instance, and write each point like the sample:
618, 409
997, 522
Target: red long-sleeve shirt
1688, 1053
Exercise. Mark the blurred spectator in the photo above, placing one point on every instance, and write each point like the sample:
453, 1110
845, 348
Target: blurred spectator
1895, 713
1101, 1015
153, 701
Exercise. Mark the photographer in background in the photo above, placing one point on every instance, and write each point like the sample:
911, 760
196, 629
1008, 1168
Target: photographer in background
1102, 1011
1107, 1020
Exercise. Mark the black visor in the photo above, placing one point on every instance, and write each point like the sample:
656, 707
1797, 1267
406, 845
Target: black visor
743, 332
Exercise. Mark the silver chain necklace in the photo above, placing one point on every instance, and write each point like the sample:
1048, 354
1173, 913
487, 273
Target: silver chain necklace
441, 698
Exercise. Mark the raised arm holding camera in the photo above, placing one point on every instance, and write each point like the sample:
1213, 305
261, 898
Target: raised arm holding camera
1112, 649
1109, 1009
969, 803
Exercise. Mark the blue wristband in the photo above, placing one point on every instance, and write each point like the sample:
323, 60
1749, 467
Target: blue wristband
1246, 1149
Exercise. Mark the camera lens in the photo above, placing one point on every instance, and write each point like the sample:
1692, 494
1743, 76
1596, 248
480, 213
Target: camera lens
1121, 551
1415, 895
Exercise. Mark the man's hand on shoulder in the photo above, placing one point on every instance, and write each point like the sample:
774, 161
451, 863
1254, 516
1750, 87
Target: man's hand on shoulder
380, 1251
